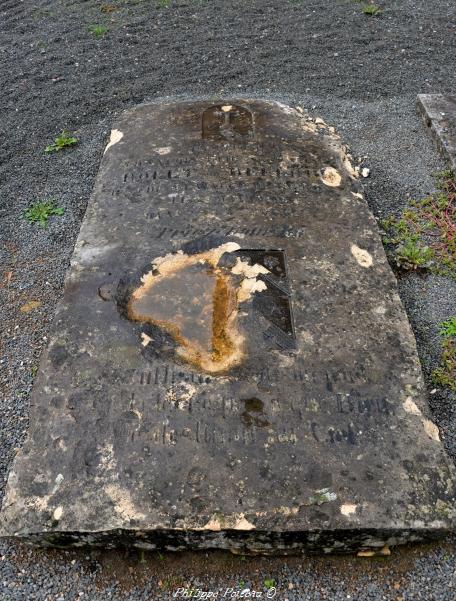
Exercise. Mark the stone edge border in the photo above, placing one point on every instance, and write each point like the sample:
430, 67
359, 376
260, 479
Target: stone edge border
438, 112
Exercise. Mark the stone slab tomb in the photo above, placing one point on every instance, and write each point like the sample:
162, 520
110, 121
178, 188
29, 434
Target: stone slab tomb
231, 365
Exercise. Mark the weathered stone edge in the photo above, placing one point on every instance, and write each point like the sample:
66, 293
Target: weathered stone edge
268, 543
429, 106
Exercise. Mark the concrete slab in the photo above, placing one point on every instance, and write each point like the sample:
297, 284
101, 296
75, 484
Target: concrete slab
231, 365
439, 114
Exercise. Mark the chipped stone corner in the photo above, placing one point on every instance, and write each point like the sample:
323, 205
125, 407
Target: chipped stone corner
217, 523
116, 136
348, 509
431, 430
331, 176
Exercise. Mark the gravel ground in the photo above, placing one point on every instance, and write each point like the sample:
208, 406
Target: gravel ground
359, 73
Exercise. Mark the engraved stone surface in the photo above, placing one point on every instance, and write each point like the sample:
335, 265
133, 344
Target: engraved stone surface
231, 365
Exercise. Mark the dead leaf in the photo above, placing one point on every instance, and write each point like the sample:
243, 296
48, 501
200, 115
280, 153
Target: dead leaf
7, 275
108, 8
30, 306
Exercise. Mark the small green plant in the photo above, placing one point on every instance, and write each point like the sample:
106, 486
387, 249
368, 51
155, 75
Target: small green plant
424, 235
448, 327
371, 10
442, 177
160, 556
269, 582
445, 375
64, 140
98, 31
166, 584
241, 583
142, 556
40, 211
163, 3
410, 254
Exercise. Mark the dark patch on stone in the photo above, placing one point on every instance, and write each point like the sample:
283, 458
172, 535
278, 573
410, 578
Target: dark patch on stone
228, 260
254, 413
193, 247
107, 290
196, 477
319, 477
126, 284
146, 450
58, 354
162, 344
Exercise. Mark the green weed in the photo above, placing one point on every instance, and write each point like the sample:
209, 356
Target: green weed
410, 254
40, 211
448, 327
64, 140
269, 583
445, 375
98, 31
441, 178
424, 235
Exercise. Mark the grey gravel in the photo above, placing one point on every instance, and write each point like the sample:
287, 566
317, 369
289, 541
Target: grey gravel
359, 73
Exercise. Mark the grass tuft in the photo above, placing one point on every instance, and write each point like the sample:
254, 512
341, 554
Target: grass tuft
98, 31
411, 254
371, 10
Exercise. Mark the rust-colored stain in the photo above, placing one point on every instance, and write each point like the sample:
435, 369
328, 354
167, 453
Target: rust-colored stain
197, 301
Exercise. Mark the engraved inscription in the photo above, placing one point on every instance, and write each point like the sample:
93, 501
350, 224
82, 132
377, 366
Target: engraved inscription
227, 122
275, 302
